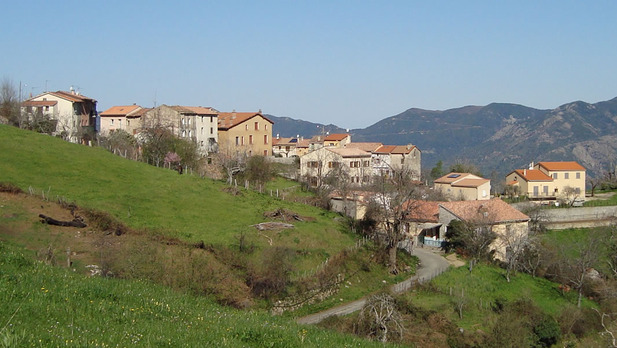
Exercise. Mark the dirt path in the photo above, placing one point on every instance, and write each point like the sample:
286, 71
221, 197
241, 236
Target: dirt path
431, 264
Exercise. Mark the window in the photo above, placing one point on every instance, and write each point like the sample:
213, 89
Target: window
119, 122
545, 190
251, 139
578, 175
535, 191
242, 140
47, 108
246, 127
202, 119
333, 164
266, 126
265, 152
202, 131
266, 139
566, 175
237, 141
313, 164
128, 122
112, 122
256, 125
554, 175
366, 163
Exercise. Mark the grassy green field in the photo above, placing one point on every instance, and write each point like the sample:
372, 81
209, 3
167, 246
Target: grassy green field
44, 306
143, 196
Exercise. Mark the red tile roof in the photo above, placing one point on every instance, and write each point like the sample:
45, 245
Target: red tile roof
335, 137
199, 110
496, 210
70, 96
557, 166
119, 110
39, 103
228, 120
369, 147
422, 211
395, 149
348, 152
533, 175
451, 177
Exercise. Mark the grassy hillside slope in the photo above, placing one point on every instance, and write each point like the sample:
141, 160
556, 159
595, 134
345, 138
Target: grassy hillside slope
143, 196
46, 306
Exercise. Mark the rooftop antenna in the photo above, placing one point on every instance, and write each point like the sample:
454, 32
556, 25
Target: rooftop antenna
154, 98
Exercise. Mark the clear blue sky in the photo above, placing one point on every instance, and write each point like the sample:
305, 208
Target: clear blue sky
351, 63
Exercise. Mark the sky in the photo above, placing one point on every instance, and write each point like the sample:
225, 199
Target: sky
350, 63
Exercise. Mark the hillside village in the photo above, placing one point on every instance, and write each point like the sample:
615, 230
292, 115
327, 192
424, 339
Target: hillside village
358, 164
365, 181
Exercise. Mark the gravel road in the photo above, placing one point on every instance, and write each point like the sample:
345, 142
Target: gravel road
431, 264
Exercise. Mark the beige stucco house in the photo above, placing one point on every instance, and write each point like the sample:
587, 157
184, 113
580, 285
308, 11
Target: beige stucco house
464, 187
75, 114
246, 132
196, 123
315, 166
549, 180
124, 117
336, 140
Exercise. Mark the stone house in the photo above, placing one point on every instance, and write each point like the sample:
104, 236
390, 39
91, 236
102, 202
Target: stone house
196, 123
389, 158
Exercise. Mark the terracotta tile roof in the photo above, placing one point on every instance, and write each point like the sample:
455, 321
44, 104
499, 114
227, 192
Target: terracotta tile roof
422, 211
304, 143
403, 149
532, 175
496, 210
470, 182
384, 149
452, 177
348, 152
394, 149
228, 120
120, 110
335, 137
368, 147
284, 141
39, 103
556, 166
77, 98
199, 110
139, 112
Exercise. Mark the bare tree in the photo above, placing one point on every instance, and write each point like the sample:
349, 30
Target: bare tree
576, 260
570, 195
231, 161
392, 193
9, 103
380, 318
514, 243
471, 238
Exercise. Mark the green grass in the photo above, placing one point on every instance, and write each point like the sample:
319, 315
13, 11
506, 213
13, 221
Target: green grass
143, 196
47, 306
483, 287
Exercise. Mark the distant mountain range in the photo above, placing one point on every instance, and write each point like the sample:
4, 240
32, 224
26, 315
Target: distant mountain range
497, 138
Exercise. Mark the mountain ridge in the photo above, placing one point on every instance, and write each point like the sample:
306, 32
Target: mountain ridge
498, 137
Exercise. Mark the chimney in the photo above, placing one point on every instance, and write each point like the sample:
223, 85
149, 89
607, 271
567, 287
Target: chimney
531, 165
524, 172
278, 136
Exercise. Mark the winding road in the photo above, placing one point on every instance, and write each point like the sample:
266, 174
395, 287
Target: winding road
431, 264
